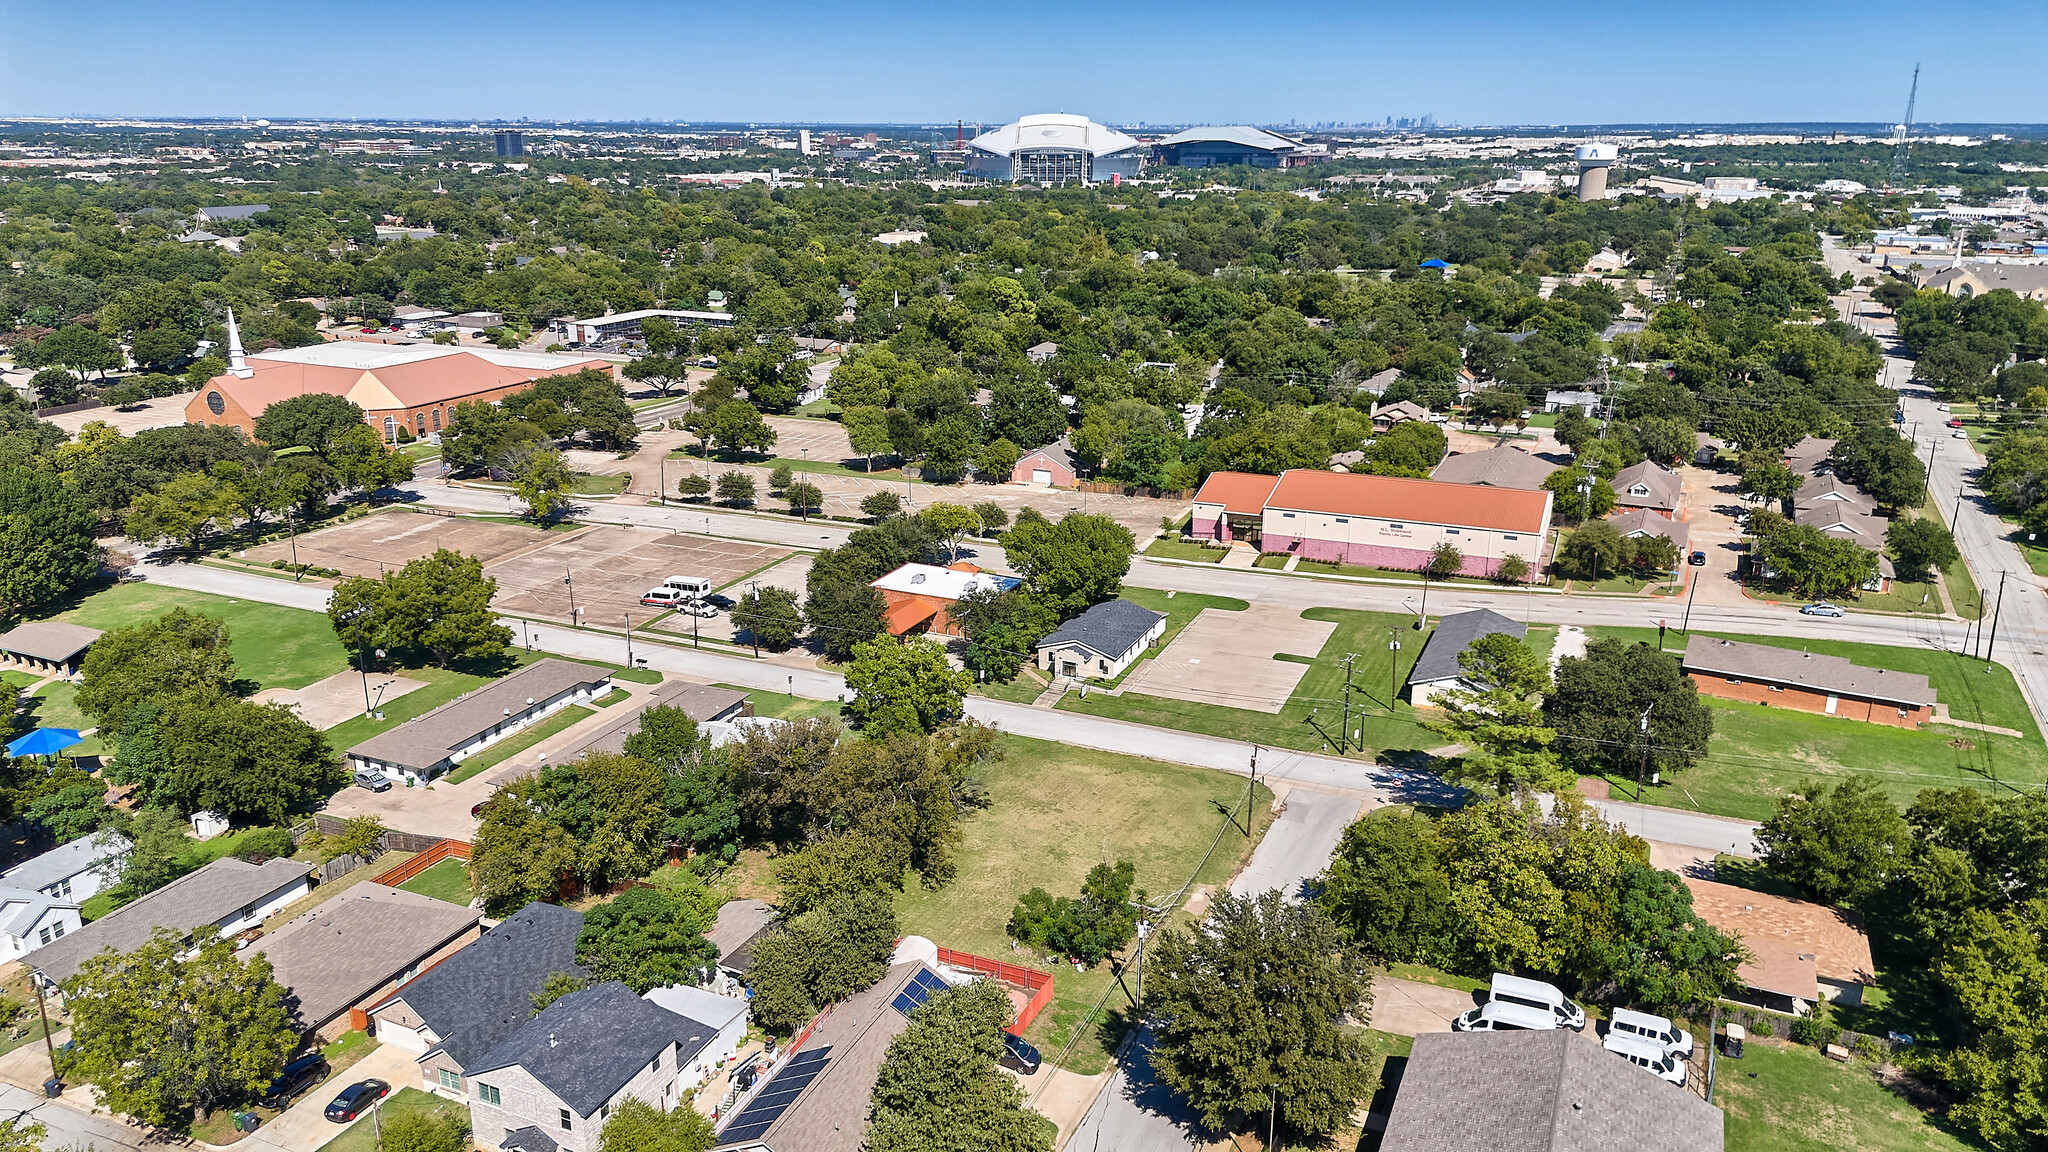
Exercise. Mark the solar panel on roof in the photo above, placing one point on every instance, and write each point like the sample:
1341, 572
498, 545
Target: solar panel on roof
917, 991
776, 1096
741, 1132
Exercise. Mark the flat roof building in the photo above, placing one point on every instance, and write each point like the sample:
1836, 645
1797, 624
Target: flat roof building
1054, 148
916, 596
626, 325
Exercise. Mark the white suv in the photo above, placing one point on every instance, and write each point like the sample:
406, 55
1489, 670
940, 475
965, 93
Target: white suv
1644, 1054
1652, 1029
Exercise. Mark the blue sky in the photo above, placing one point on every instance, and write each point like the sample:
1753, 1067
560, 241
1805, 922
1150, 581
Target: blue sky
1477, 61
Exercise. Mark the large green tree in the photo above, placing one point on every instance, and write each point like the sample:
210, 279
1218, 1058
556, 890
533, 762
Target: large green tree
646, 938
820, 957
437, 606
1600, 700
177, 1028
1073, 564
1840, 844
179, 653
1386, 889
1248, 1013
1497, 713
901, 686
939, 1089
46, 540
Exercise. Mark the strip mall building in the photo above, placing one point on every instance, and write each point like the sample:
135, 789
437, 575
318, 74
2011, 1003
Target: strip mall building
1378, 521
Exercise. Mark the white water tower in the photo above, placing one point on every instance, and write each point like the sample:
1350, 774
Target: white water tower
1594, 161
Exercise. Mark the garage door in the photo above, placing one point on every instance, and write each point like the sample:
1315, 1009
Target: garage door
1041, 475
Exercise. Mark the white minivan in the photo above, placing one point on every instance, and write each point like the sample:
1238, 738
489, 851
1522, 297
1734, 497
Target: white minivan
1536, 994
1644, 1054
1652, 1029
1502, 1016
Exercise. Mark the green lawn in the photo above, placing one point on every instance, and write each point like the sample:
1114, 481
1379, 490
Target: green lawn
1781, 1098
512, 746
1056, 812
17, 679
276, 647
1760, 753
1918, 597
607, 485
56, 706
1313, 715
638, 675
783, 706
362, 1135
447, 880
1023, 690
610, 698
1278, 560
1183, 550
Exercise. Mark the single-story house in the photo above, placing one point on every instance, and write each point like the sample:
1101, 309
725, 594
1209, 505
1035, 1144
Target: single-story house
726, 1016
1385, 416
229, 894
1502, 467
1041, 353
51, 647
30, 919
1586, 402
560, 1073
704, 703
1805, 952
1830, 487
1101, 642
1437, 668
817, 1098
429, 746
1807, 682
1648, 485
915, 596
1634, 522
355, 949
734, 930
76, 870
454, 1013
478, 320
1706, 450
1051, 466
1809, 455
1382, 521
1380, 381
1555, 1091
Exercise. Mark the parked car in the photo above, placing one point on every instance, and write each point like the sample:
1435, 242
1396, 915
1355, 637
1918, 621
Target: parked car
664, 597
1697, 559
1644, 1054
1508, 989
1503, 1016
700, 608
356, 1098
295, 1077
374, 781
1018, 1056
1955, 422
1959, 435
1657, 1030
1822, 608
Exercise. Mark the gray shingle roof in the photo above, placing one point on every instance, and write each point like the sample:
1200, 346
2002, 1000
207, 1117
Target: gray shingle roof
588, 1044
739, 923
1642, 521
424, 741
1502, 467
529, 1139
1540, 1092
482, 994
52, 640
67, 860
1810, 670
207, 896
1454, 634
700, 702
1111, 628
1662, 486
344, 949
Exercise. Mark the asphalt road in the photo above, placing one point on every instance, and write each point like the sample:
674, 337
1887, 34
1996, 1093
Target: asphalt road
1298, 846
70, 1128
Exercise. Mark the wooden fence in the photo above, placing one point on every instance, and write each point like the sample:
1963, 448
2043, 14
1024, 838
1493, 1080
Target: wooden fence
438, 851
1039, 984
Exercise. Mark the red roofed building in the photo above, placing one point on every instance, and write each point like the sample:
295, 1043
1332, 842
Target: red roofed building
915, 597
1379, 521
414, 386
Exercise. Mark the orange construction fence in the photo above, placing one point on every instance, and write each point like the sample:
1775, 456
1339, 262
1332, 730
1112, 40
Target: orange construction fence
436, 852
1039, 984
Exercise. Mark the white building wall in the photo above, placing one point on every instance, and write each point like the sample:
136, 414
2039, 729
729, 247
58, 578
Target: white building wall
1382, 532
255, 914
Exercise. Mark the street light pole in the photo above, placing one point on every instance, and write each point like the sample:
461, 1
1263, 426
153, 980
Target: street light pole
1643, 725
568, 578
629, 640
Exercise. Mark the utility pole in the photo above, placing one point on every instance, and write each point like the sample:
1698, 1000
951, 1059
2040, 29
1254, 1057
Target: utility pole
1250, 787
1643, 725
1393, 668
43, 1010
629, 640
1685, 625
1344, 737
569, 580
1997, 608
755, 585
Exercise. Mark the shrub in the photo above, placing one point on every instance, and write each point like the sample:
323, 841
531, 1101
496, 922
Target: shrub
1814, 1030
1511, 570
264, 844
1761, 1027
415, 1132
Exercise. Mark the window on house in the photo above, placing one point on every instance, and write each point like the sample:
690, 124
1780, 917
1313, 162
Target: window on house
58, 929
390, 428
437, 419
1777, 687
1452, 532
1287, 515
44, 935
488, 1094
604, 1113
656, 1066
1343, 519
565, 1119
451, 1080
1511, 537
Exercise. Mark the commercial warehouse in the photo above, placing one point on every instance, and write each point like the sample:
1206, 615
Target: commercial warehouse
1379, 521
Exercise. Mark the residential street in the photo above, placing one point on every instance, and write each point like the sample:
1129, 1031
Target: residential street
70, 1128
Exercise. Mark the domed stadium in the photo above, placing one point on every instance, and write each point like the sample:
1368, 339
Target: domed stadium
1054, 148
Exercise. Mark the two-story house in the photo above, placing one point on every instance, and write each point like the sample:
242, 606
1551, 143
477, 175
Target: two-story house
554, 1082
75, 871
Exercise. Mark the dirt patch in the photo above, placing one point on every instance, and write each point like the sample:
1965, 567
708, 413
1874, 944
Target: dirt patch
1962, 744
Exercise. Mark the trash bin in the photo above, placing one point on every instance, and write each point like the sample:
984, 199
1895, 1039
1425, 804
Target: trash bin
1731, 1044
52, 1087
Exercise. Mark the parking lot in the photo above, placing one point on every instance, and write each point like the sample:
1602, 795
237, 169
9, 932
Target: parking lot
607, 569
373, 544
1227, 658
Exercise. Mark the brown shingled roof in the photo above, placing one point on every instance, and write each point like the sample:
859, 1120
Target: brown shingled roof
1773, 925
1811, 670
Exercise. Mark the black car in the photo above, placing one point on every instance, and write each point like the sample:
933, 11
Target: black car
355, 1098
294, 1078
1018, 1056
1698, 558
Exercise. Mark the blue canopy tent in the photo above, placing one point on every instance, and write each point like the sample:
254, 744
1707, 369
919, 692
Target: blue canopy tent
44, 742
1434, 264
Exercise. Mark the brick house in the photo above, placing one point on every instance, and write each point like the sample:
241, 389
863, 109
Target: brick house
1050, 466
1808, 682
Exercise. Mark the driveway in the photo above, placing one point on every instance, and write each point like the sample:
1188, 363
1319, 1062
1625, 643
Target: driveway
1135, 1112
304, 1126
1410, 1008
1299, 844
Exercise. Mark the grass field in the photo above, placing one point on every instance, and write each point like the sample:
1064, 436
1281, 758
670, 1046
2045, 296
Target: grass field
609, 484
362, 1135
1314, 714
512, 746
783, 706
1181, 550
276, 647
17, 679
1780, 1098
448, 880
56, 706
442, 685
1759, 753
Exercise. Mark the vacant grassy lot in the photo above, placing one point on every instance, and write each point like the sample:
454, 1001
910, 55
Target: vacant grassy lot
448, 880
783, 706
1760, 753
362, 1135
276, 647
1780, 1098
1313, 716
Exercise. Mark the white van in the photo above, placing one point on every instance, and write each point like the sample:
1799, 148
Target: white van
1652, 1029
1644, 1054
1502, 1016
691, 587
1536, 994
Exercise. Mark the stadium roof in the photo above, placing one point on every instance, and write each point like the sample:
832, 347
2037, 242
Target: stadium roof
1238, 134
1053, 130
